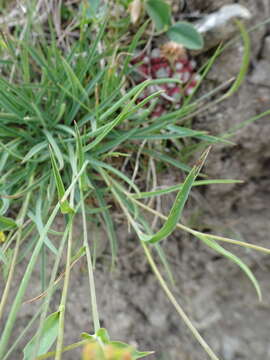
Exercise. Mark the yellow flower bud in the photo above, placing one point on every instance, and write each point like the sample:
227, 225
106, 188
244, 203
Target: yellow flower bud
2, 237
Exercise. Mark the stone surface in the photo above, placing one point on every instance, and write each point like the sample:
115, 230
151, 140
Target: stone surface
261, 73
266, 49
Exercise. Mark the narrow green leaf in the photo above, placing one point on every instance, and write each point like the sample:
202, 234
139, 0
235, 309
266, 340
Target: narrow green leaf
80, 156
87, 336
134, 92
8, 131
179, 203
212, 244
135, 354
71, 115
34, 150
133, 45
96, 164
109, 224
232, 131
39, 58
103, 334
147, 194
80, 253
38, 221
61, 111
4, 205
160, 12
92, 211
56, 149
165, 263
166, 159
64, 205
10, 151
245, 62
186, 35
120, 137
73, 79
89, 61
48, 336
7, 223
40, 115
125, 113
197, 134
57, 176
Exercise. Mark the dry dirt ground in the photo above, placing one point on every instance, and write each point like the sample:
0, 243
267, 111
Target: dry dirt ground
214, 292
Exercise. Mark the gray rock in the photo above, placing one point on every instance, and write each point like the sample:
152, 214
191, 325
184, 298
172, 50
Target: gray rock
266, 49
220, 26
158, 318
230, 347
261, 74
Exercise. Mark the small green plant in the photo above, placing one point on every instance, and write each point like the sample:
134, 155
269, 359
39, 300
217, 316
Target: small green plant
100, 347
68, 123
159, 11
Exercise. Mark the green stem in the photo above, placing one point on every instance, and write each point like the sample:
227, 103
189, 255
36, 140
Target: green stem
22, 335
66, 348
24, 283
50, 289
90, 267
25, 280
15, 254
62, 307
194, 232
43, 268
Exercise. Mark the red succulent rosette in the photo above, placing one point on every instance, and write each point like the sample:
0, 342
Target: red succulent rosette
157, 66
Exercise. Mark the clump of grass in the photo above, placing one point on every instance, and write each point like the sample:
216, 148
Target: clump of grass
68, 123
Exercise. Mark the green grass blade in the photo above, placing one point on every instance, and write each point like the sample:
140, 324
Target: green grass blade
197, 134
38, 221
119, 139
22, 335
3, 257
132, 47
232, 131
100, 164
7, 223
166, 159
134, 92
89, 88
168, 190
47, 338
215, 246
245, 62
64, 205
34, 151
109, 225
73, 80
165, 263
80, 156
23, 286
179, 203
41, 61
55, 148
